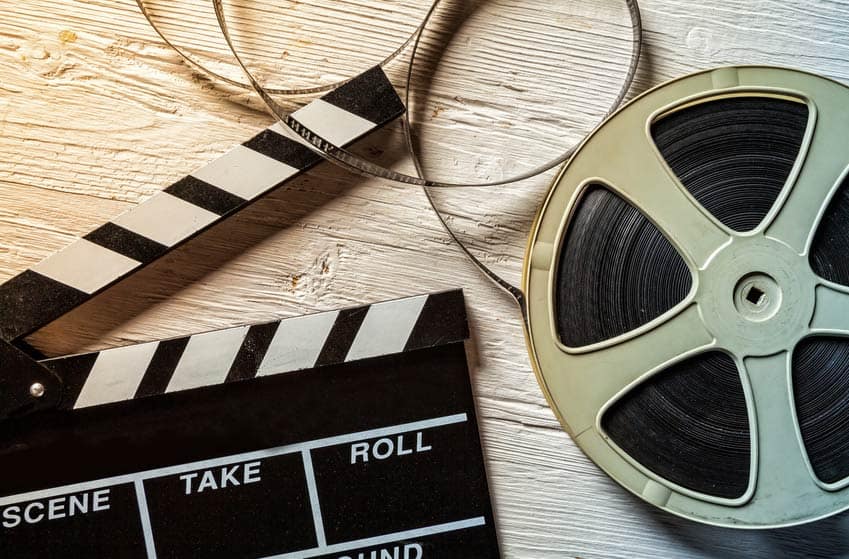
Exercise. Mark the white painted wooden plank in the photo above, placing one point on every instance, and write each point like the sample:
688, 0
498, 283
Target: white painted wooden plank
96, 115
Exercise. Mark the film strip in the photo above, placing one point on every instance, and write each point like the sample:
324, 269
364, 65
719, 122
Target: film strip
267, 161
153, 12
339, 155
334, 151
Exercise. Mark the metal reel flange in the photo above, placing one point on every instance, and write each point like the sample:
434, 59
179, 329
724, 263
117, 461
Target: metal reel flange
754, 296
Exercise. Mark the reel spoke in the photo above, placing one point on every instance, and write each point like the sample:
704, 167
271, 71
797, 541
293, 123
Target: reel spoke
783, 478
823, 165
749, 182
643, 177
614, 369
831, 314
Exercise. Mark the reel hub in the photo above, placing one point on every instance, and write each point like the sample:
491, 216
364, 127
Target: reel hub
756, 296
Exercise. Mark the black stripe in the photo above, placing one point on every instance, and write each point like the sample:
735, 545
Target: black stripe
204, 195
370, 96
33, 352
161, 368
252, 352
74, 373
442, 321
283, 149
29, 301
341, 336
123, 241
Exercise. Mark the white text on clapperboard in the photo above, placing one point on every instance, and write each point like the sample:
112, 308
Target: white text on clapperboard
230, 476
409, 551
387, 447
56, 508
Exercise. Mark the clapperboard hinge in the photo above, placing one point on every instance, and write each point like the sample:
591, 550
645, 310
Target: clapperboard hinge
345, 434
121, 247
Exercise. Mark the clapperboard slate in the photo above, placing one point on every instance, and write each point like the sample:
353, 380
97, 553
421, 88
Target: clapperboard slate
371, 452
346, 435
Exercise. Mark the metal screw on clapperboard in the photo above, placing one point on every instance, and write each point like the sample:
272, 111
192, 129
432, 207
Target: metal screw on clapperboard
26, 386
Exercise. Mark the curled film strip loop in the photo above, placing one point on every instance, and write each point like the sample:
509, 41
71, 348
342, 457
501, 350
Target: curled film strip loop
359, 165
512, 290
149, 14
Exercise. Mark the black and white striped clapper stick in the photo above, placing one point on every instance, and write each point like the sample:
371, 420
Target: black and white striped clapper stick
247, 352
371, 447
267, 161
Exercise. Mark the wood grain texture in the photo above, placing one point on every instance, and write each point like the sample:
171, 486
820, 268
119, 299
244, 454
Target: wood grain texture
96, 114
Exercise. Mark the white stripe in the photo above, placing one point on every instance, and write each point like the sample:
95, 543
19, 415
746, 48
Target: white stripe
85, 266
166, 219
244, 172
207, 359
144, 515
386, 328
297, 343
239, 458
116, 375
315, 504
332, 123
382, 540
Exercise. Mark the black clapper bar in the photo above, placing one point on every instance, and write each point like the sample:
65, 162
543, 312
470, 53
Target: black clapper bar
119, 248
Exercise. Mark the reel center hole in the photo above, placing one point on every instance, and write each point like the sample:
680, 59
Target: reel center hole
757, 297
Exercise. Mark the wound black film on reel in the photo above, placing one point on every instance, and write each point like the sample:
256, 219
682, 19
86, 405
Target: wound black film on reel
618, 272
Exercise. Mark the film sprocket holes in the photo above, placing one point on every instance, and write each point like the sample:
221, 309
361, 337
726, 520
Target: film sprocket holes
331, 150
701, 359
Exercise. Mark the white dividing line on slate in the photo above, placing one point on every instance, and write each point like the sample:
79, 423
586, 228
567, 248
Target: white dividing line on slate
381, 540
237, 458
144, 514
315, 504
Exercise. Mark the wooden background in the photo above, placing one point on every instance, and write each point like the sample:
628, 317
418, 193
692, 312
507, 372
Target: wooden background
96, 114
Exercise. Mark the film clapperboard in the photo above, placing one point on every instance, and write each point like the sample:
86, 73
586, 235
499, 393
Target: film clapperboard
347, 434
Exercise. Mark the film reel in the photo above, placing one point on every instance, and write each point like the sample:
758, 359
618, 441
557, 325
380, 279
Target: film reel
687, 297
